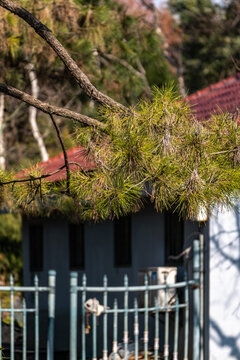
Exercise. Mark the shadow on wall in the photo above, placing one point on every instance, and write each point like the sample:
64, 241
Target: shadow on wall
226, 341
225, 285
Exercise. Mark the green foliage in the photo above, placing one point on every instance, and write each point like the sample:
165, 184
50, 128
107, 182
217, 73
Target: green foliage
88, 30
158, 152
210, 35
10, 246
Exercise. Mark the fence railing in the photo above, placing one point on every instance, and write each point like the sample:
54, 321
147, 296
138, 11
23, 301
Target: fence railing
24, 311
116, 322
103, 304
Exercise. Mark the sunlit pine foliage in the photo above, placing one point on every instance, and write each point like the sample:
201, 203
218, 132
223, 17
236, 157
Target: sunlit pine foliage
158, 152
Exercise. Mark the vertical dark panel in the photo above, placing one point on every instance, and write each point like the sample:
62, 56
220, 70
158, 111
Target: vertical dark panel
174, 237
123, 242
76, 247
36, 246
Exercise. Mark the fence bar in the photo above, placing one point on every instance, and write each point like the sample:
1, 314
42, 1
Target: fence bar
24, 288
178, 285
36, 318
142, 310
94, 335
84, 284
145, 336
12, 317
51, 313
196, 302
186, 320
0, 330
105, 320
24, 344
125, 332
136, 329
73, 316
201, 240
115, 330
176, 330
166, 335
156, 339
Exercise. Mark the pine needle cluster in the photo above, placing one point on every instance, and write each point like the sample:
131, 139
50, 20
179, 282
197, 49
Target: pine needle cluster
157, 152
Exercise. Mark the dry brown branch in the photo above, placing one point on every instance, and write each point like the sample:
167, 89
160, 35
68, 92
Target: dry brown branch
224, 151
44, 176
64, 152
47, 108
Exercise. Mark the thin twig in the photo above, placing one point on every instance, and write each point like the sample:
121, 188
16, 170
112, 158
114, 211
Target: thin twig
64, 153
224, 151
35, 178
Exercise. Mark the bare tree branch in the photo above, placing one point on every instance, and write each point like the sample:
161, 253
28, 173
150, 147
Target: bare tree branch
58, 48
64, 152
2, 140
47, 108
141, 73
44, 176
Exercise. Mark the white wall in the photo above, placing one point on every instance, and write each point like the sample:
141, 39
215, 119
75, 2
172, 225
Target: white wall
224, 301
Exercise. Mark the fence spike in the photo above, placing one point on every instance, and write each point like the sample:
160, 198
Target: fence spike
136, 328
12, 352
125, 280
0, 329
115, 330
84, 280
73, 316
36, 280
105, 318
24, 330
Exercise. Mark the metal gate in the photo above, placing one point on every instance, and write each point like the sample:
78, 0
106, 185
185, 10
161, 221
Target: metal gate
113, 324
126, 322
24, 311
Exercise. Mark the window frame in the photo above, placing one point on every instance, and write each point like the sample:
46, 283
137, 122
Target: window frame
173, 244
34, 253
73, 249
118, 243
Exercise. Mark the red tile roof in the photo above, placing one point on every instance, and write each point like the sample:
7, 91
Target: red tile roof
222, 96
77, 154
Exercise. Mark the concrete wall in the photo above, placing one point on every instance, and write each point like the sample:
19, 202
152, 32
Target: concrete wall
224, 302
148, 250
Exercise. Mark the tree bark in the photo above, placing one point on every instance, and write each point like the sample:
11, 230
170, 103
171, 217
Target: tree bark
33, 113
49, 109
62, 53
2, 142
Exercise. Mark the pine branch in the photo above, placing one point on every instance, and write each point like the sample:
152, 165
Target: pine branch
62, 53
44, 176
49, 109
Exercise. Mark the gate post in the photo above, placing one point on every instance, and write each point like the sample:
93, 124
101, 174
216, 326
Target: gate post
51, 313
196, 301
73, 315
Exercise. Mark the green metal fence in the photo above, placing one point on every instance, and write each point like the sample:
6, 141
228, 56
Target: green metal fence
143, 322
118, 322
25, 311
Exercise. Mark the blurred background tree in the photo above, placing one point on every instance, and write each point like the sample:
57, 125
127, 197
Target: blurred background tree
121, 52
210, 40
